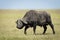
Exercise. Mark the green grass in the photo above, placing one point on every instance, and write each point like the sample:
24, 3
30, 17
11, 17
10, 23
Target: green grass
8, 30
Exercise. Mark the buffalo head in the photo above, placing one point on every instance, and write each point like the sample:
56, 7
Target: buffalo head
20, 23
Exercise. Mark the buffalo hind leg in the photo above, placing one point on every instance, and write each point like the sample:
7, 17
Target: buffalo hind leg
52, 26
45, 28
26, 27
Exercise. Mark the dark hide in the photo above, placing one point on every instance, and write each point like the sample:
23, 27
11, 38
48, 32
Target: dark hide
33, 18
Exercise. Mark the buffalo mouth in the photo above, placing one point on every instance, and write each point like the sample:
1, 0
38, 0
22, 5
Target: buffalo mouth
19, 27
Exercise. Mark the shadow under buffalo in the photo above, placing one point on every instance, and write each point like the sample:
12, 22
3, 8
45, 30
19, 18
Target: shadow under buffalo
43, 34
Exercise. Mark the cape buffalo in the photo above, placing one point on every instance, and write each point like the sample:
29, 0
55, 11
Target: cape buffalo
33, 18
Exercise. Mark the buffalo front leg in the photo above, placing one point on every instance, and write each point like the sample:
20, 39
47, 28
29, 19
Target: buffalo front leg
26, 27
45, 28
34, 29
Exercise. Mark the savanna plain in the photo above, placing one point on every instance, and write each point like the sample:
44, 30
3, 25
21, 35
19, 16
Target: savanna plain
8, 30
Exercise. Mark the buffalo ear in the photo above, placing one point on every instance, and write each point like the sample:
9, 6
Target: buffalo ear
23, 21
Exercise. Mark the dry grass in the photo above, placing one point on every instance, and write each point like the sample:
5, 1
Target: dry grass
8, 30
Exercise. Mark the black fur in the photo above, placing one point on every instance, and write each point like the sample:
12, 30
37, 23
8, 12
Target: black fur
40, 18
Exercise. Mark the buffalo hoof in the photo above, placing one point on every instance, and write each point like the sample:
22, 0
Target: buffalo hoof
53, 32
43, 33
34, 33
25, 33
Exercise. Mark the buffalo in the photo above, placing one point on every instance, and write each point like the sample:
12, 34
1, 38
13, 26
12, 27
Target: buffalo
34, 18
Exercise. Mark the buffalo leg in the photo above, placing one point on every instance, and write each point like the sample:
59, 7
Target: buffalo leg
25, 29
52, 26
34, 29
45, 28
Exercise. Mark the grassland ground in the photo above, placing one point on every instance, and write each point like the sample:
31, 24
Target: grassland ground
8, 30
